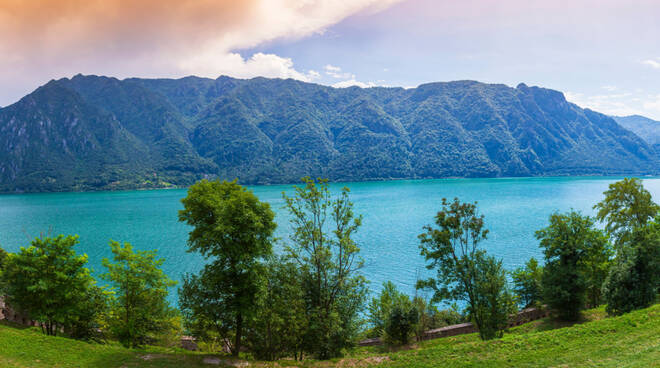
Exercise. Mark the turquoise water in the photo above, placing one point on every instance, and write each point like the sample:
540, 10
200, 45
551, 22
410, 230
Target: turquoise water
394, 214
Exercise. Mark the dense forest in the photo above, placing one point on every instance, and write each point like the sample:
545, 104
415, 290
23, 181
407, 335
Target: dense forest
90, 133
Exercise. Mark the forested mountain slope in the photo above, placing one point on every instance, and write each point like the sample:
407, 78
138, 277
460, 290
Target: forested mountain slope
92, 132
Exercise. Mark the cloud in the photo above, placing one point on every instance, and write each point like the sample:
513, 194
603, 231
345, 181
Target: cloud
336, 72
655, 64
354, 83
43, 39
653, 104
619, 104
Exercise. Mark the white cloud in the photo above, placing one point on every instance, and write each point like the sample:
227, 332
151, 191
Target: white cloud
655, 64
352, 83
653, 104
336, 72
259, 64
157, 38
609, 88
618, 104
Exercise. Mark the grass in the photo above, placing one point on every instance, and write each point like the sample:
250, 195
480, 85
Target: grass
632, 340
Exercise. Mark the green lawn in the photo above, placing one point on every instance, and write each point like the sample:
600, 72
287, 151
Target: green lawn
631, 340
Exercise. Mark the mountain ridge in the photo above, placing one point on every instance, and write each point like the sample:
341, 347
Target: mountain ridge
162, 132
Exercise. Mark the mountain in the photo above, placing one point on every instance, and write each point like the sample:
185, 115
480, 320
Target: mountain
645, 128
91, 132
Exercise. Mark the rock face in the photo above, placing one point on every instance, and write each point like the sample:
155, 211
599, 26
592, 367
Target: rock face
91, 132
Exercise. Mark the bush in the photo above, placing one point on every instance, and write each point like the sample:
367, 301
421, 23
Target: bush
140, 312
281, 321
400, 324
430, 317
527, 283
49, 282
494, 301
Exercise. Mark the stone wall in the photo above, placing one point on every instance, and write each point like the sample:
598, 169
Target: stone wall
524, 316
8, 314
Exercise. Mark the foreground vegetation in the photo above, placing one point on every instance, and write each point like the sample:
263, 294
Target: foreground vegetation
631, 340
308, 304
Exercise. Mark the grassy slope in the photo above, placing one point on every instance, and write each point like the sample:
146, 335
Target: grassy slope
632, 340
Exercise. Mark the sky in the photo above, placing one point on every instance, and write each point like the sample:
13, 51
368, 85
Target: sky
603, 54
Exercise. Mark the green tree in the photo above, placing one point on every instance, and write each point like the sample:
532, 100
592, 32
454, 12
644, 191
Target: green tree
494, 300
3, 259
380, 307
595, 266
627, 206
280, 323
569, 241
634, 279
49, 282
463, 270
233, 230
400, 323
527, 283
322, 245
628, 212
140, 308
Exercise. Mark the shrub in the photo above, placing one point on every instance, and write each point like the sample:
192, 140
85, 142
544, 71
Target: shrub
50, 283
400, 324
527, 283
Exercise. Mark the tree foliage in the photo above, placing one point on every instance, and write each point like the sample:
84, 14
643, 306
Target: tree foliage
634, 280
627, 206
323, 247
280, 323
570, 243
527, 283
233, 230
381, 306
494, 300
629, 212
50, 283
140, 308
465, 272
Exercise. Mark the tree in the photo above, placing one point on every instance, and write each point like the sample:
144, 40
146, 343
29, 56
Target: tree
569, 240
527, 283
628, 211
494, 300
400, 323
140, 308
595, 266
233, 230
281, 321
3, 260
49, 282
464, 271
330, 264
381, 307
627, 206
633, 282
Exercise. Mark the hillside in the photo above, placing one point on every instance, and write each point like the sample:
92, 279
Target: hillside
645, 128
631, 340
90, 132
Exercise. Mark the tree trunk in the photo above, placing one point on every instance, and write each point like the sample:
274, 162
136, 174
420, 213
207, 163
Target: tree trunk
239, 331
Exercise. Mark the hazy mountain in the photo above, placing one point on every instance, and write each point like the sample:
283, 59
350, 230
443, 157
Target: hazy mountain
93, 132
645, 128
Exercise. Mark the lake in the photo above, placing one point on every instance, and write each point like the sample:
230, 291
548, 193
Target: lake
394, 214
